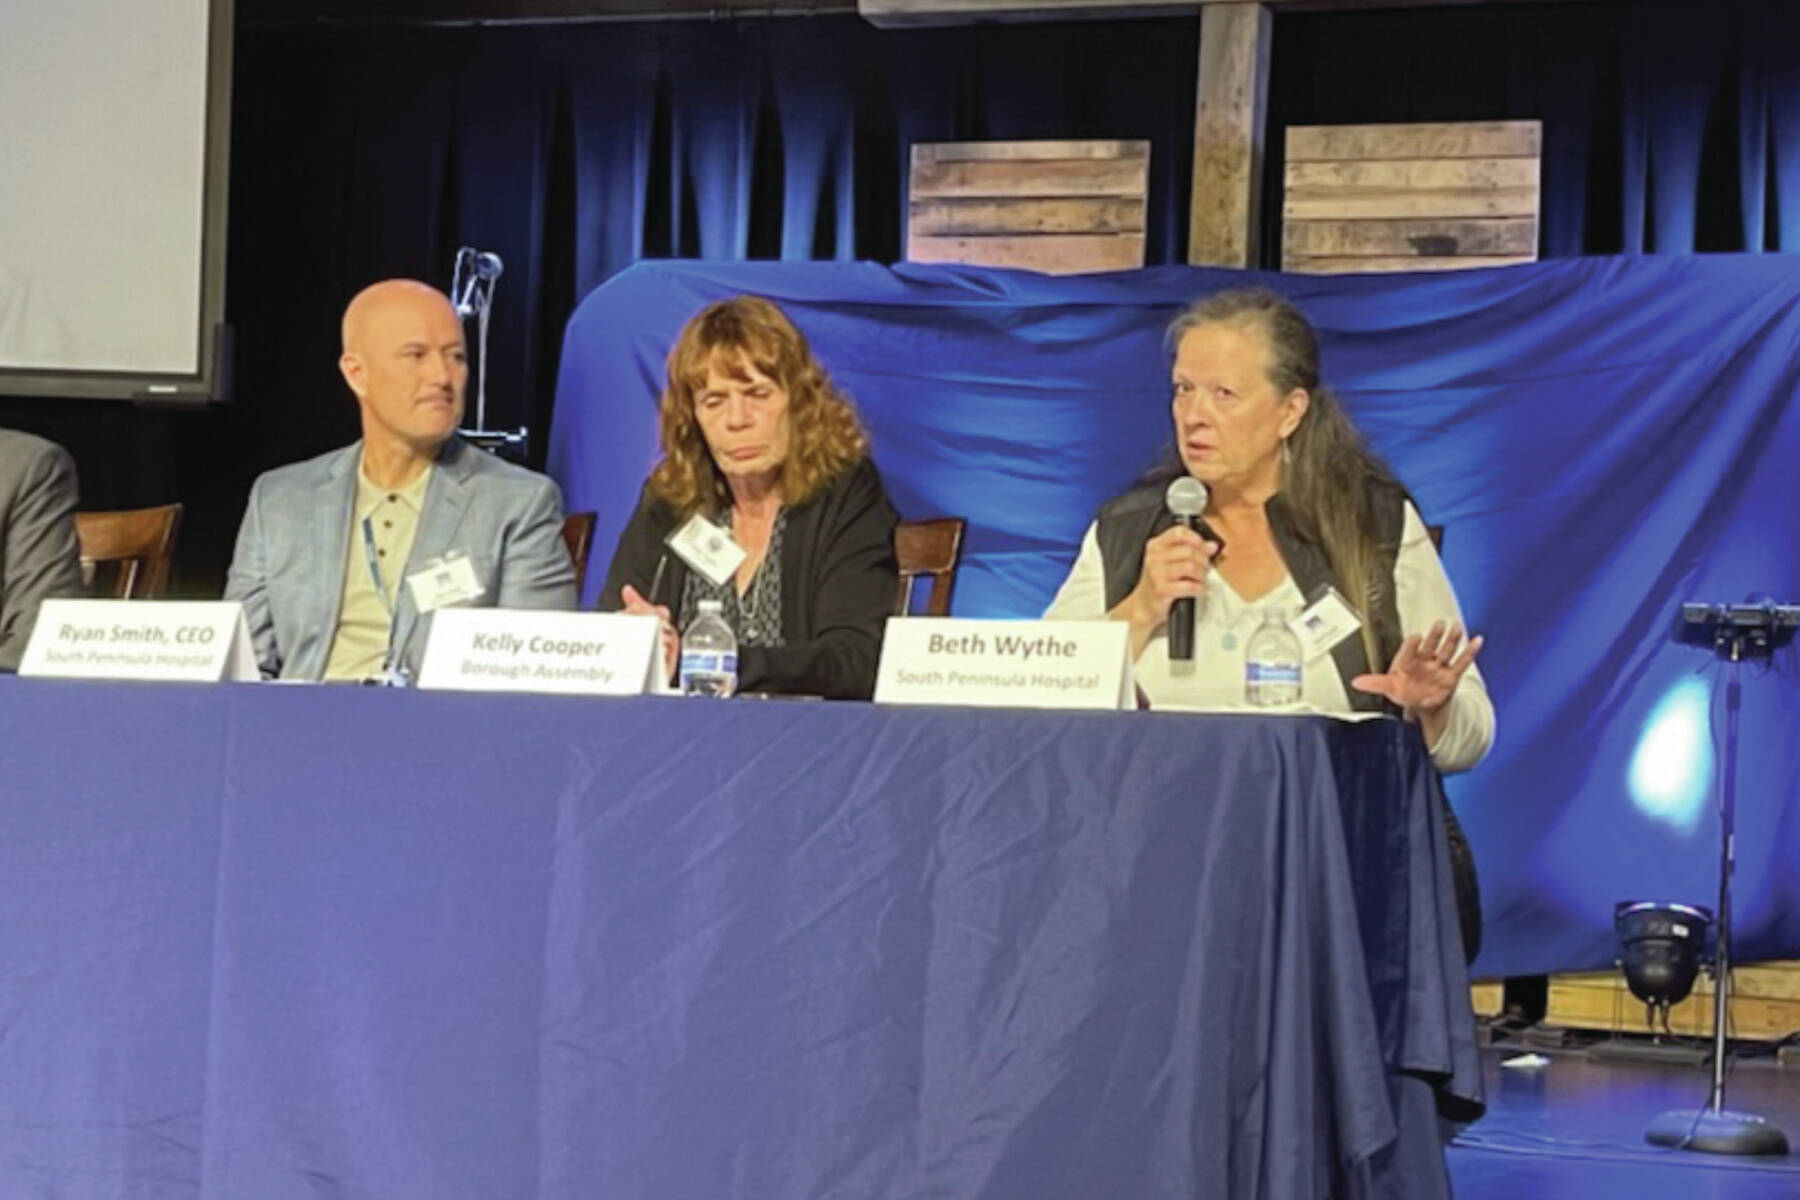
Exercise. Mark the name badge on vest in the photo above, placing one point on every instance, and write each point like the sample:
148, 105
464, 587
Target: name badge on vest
1325, 622
707, 549
443, 583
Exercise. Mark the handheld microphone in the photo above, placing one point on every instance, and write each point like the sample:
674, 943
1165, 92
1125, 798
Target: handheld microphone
656, 579
1186, 500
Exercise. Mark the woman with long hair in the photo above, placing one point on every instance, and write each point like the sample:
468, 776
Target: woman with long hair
1299, 505
756, 439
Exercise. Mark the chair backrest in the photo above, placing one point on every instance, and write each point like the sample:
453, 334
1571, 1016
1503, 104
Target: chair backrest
931, 549
578, 536
137, 544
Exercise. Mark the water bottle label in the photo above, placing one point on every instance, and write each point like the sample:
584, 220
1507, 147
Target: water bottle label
709, 662
1256, 672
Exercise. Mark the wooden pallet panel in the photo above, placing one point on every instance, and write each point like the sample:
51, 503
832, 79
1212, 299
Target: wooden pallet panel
1053, 254
1398, 262
1408, 173
1453, 139
987, 218
1361, 198
1036, 150
1054, 206
1388, 203
1421, 237
1025, 179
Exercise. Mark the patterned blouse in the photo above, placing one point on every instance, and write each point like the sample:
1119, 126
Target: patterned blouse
755, 617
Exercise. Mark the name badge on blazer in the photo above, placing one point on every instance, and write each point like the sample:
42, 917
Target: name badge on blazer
707, 549
444, 582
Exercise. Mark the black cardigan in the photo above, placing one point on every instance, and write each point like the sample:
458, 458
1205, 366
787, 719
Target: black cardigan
839, 581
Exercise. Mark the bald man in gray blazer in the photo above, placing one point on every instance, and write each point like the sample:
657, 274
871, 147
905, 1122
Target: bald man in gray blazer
39, 556
327, 546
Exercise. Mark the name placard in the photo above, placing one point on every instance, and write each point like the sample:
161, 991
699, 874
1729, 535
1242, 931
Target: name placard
518, 650
1005, 664
204, 641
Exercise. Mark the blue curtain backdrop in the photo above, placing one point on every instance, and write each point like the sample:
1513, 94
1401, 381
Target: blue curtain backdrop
1602, 438
365, 150
577, 150
1662, 133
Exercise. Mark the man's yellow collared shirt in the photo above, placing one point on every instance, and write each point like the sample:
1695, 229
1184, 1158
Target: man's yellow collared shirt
359, 647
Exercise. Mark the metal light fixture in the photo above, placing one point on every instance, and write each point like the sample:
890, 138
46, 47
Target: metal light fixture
1660, 950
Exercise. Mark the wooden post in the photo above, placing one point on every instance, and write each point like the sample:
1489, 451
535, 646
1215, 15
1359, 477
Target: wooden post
1229, 120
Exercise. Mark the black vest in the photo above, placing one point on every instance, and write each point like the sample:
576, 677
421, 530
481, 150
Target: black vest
1127, 522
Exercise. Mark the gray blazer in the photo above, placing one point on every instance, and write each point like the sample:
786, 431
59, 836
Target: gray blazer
288, 569
39, 556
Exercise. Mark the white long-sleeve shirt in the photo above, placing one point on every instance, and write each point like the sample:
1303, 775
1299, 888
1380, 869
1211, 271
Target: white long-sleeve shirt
1223, 623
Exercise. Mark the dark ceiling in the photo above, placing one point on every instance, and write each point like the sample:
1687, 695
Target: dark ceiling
456, 12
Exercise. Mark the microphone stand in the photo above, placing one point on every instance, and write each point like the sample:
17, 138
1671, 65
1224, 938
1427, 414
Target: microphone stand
1716, 1129
472, 294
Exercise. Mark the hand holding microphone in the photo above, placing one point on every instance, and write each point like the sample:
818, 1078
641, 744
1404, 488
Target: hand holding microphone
1174, 574
1186, 500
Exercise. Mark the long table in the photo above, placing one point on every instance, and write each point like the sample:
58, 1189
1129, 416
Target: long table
279, 942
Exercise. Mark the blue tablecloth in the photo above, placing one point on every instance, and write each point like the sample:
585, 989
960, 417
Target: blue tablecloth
268, 942
1602, 439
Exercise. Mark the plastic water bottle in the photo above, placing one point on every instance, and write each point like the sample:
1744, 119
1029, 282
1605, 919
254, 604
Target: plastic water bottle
709, 654
1272, 663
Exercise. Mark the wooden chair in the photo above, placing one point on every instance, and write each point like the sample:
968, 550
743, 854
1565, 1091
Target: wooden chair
139, 543
578, 536
932, 549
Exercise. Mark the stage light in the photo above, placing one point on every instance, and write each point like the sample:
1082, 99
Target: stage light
1671, 770
1660, 950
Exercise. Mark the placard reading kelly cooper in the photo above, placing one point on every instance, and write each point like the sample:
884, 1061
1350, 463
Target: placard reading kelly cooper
203, 641
517, 650
1005, 664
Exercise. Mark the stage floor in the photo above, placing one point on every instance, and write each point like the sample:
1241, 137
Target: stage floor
1574, 1130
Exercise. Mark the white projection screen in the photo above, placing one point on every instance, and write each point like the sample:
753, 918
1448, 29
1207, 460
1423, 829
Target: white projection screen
114, 136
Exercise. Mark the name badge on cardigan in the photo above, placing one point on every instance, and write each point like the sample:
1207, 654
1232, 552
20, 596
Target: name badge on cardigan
202, 641
707, 549
1005, 664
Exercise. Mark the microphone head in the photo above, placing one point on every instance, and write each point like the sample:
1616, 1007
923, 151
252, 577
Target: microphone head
1186, 496
488, 265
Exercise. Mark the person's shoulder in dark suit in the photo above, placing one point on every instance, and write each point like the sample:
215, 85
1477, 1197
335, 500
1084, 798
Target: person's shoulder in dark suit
40, 558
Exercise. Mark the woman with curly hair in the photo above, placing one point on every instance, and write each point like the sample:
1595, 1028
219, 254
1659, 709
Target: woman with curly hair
756, 439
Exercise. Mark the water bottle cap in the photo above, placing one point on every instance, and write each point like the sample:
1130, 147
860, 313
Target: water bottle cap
711, 606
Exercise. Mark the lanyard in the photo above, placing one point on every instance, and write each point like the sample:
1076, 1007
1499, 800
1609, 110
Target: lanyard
391, 675
368, 532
